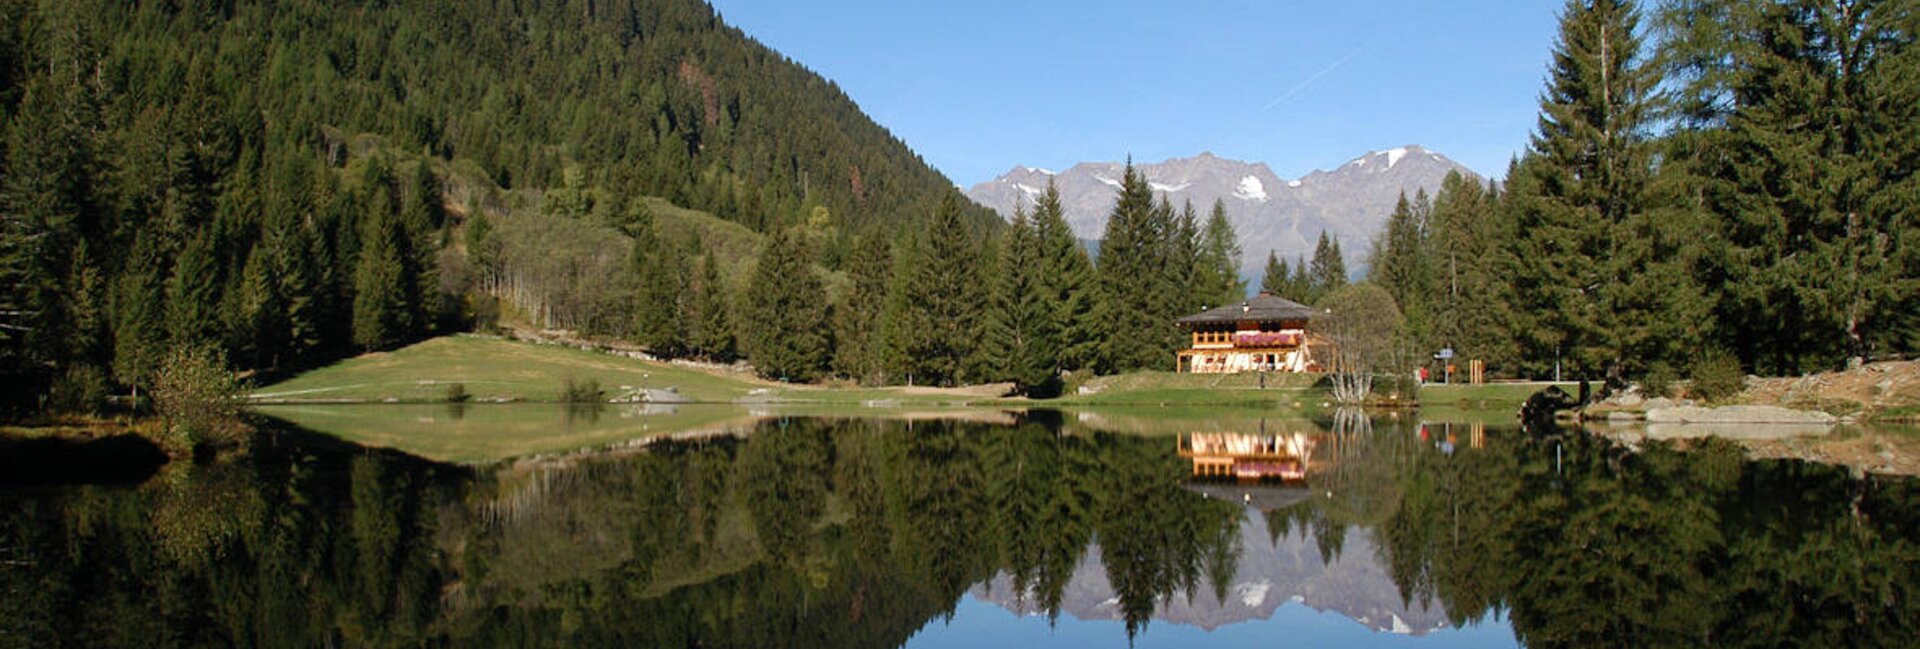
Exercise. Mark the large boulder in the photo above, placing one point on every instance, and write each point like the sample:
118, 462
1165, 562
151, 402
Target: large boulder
1737, 415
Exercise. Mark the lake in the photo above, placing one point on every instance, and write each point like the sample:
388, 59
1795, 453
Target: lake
997, 529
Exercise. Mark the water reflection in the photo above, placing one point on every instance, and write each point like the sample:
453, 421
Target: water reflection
831, 532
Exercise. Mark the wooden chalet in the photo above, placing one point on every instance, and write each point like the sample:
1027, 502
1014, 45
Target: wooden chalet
1267, 333
1243, 457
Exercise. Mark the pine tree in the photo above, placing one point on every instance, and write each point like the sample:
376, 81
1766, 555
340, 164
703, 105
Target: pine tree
1278, 279
382, 316
1066, 282
1217, 277
785, 325
942, 301
710, 323
1136, 305
1802, 135
1030, 349
662, 280
193, 295
1329, 270
139, 320
859, 325
1583, 208
1400, 265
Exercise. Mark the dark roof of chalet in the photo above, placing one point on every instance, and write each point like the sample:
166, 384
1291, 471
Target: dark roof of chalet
1263, 307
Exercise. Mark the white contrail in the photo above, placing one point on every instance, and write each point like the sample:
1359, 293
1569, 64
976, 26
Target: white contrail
1316, 77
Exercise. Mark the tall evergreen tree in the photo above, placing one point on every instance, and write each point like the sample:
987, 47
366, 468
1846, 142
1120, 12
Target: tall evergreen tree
784, 315
1027, 340
1138, 300
662, 282
1799, 140
1066, 280
860, 335
943, 300
382, 310
1278, 279
193, 295
710, 332
1588, 273
1217, 273
1329, 269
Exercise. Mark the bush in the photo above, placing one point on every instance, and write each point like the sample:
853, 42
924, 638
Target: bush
197, 398
457, 393
81, 390
1659, 381
1716, 375
587, 391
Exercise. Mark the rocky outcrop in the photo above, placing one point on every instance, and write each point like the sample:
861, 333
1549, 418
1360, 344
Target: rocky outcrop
1737, 415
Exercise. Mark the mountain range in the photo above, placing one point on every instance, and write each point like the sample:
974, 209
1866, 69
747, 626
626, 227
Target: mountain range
1350, 202
1270, 572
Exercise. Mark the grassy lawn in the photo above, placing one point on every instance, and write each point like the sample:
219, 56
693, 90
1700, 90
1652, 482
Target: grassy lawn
1504, 397
491, 368
480, 433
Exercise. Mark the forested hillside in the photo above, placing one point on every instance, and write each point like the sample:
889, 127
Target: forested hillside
293, 180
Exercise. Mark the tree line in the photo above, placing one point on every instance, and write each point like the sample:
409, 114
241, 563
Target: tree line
290, 183
1743, 188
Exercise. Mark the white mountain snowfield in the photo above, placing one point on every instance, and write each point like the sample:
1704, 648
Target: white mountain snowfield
1351, 202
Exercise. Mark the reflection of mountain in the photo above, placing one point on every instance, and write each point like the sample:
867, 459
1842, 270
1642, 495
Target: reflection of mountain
1269, 575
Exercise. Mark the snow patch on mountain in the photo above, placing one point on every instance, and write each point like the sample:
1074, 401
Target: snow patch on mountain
1293, 183
1027, 189
1254, 594
1250, 188
1107, 181
1162, 187
1394, 156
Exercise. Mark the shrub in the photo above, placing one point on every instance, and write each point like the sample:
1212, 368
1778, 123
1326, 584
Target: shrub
457, 393
81, 390
587, 391
197, 398
1659, 381
1716, 375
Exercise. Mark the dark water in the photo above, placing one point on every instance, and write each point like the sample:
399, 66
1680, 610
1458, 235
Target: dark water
820, 532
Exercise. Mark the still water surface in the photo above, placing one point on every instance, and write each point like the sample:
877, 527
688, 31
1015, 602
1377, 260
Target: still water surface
1042, 531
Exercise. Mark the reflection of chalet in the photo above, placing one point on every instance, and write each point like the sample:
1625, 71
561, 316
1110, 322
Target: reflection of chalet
1247, 457
1266, 333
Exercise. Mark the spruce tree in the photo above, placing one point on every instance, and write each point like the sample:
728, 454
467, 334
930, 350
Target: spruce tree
1028, 340
1278, 279
1589, 272
1217, 276
382, 316
784, 312
1329, 269
139, 317
943, 300
860, 335
193, 295
1066, 282
710, 323
662, 281
1799, 145
1137, 303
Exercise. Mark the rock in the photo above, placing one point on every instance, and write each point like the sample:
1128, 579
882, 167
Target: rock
1659, 402
1738, 431
1627, 400
1622, 415
669, 395
1738, 415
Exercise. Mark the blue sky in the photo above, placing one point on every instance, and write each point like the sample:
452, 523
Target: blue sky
977, 87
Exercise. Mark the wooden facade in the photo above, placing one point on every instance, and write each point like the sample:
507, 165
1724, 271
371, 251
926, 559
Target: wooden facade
1243, 457
1263, 334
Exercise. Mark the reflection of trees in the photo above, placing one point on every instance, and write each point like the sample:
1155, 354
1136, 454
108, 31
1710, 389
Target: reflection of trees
1586, 542
856, 533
